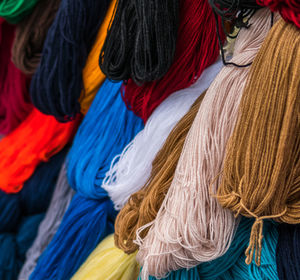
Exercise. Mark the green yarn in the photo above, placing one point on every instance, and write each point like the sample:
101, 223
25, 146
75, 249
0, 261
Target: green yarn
14, 11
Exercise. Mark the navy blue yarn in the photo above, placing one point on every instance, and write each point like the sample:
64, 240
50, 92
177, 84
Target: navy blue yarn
10, 212
106, 129
288, 252
13, 246
56, 86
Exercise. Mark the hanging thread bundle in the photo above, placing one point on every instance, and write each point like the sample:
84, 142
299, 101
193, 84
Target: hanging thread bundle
14, 96
129, 171
288, 9
261, 177
141, 40
191, 227
57, 83
30, 36
107, 262
15, 10
196, 49
35, 140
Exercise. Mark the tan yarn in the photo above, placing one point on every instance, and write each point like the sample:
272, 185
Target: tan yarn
143, 205
261, 176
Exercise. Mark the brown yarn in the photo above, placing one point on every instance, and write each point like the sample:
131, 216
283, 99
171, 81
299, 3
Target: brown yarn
261, 176
142, 206
30, 36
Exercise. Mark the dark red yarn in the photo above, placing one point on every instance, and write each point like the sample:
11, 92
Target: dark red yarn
288, 9
15, 103
197, 48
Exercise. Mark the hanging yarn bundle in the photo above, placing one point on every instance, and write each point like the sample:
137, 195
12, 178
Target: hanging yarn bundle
141, 40
107, 262
288, 9
196, 49
191, 227
59, 203
130, 170
107, 128
57, 83
92, 76
30, 36
134, 178
261, 171
15, 10
14, 95
37, 139
288, 252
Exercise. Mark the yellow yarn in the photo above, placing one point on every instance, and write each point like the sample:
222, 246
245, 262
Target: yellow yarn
107, 262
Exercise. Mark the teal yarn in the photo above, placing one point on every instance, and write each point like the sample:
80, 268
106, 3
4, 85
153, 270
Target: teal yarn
106, 129
232, 266
14, 11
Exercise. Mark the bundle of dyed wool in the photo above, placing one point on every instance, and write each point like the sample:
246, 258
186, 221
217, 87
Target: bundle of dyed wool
30, 36
32, 202
288, 9
196, 49
130, 171
92, 76
15, 10
59, 203
141, 40
35, 140
107, 128
231, 266
57, 83
287, 253
260, 177
191, 227
14, 95
108, 263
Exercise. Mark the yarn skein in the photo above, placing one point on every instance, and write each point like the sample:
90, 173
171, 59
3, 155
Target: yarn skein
15, 10
106, 129
196, 48
14, 95
129, 171
30, 36
107, 262
57, 83
141, 40
288, 9
261, 170
191, 227
287, 252
92, 75
59, 203
35, 140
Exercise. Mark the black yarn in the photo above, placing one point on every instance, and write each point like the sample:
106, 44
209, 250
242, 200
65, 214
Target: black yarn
141, 40
288, 252
56, 86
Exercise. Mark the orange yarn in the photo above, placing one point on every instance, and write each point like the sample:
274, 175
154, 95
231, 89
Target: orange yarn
35, 140
92, 75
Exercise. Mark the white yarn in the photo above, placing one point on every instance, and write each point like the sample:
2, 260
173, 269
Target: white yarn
130, 170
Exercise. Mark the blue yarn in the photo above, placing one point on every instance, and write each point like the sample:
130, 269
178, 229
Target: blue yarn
106, 129
10, 212
57, 83
13, 246
232, 266
37, 191
288, 252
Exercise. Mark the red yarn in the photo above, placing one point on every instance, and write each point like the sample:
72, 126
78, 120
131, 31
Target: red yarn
15, 103
288, 9
197, 48
36, 139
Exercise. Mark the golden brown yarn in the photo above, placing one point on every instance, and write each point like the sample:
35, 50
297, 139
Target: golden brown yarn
143, 205
261, 176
